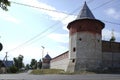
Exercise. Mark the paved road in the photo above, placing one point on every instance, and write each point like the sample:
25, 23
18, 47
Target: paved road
26, 76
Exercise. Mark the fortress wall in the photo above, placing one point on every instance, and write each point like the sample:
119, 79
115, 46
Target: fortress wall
60, 62
111, 54
111, 59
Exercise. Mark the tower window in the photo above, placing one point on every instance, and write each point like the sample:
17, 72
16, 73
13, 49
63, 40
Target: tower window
98, 40
73, 60
74, 49
80, 39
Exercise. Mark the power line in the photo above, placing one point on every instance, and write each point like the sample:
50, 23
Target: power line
45, 8
38, 7
58, 23
33, 38
102, 4
111, 22
68, 13
38, 35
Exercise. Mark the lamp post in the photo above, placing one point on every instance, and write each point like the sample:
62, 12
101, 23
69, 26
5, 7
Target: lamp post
42, 55
42, 51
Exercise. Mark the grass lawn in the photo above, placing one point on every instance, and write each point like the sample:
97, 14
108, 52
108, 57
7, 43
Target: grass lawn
56, 71
47, 71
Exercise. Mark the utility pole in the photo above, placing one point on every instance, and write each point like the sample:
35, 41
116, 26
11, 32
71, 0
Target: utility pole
42, 51
42, 55
6, 56
6, 61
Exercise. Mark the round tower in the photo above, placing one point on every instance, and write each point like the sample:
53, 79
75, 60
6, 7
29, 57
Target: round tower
85, 51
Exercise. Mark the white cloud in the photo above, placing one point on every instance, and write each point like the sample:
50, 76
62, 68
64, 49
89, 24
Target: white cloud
6, 16
113, 13
62, 17
59, 37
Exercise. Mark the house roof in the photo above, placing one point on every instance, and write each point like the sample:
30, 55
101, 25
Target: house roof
47, 57
8, 63
85, 13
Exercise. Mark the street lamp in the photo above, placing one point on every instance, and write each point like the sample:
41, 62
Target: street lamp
42, 51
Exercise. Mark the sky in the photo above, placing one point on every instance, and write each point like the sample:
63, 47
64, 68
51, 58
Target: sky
24, 29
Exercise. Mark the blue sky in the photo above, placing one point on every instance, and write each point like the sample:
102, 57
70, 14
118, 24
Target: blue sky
22, 23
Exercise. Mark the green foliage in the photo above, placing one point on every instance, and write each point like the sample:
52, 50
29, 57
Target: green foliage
27, 67
18, 62
112, 39
33, 64
4, 4
12, 69
48, 71
40, 64
58, 71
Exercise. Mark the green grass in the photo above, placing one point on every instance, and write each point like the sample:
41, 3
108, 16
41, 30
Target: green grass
47, 71
57, 71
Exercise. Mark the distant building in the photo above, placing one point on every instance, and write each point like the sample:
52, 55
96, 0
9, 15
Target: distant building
4, 65
46, 62
87, 51
8, 63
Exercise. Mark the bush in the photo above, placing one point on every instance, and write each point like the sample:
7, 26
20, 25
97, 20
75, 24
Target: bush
13, 69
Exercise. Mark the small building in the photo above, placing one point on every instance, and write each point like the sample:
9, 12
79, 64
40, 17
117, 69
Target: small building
4, 65
8, 63
46, 62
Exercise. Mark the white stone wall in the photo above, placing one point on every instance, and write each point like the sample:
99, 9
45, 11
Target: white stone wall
72, 44
89, 46
59, 64
88, 52
72, 53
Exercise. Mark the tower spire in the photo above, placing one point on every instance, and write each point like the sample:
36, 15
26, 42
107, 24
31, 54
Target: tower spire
85, 13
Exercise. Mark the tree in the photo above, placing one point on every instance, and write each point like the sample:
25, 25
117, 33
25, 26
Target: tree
27, 67
4, 4
33, 64
18, 62
40, 64
112, 37
12, 69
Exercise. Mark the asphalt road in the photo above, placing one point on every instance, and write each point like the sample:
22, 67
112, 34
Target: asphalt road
26, 76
